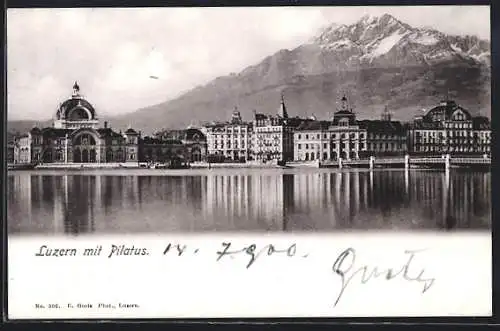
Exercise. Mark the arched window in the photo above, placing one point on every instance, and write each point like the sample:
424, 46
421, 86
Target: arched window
92, 156
119, 156
78, 114
85, 156
77, 156
109, 155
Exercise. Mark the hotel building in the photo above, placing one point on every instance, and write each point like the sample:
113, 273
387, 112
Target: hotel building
274, 135
342, 137
229, 140
449, 128
385, 136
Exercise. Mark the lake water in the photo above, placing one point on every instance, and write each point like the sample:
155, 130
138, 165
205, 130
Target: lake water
292, 200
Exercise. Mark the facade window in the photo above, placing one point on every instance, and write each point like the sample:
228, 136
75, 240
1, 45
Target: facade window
300, 146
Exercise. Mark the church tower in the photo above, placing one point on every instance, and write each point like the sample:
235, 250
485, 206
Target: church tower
282, 111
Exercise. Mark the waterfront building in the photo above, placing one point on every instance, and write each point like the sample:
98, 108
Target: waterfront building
192, 141
231, 140
449, 128
75, 137
342, 137
274, 135
11, 151
155, 150
385, 136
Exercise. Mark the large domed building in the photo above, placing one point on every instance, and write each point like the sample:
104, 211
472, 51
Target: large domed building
75, 137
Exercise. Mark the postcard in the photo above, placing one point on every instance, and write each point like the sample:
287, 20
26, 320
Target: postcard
223, 162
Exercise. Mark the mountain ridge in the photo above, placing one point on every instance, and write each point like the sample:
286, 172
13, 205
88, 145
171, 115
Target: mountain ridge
379, 61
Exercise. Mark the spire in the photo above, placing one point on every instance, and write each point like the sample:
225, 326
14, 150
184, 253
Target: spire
236, 116
282, 112
76, 89
386, 115
344, 104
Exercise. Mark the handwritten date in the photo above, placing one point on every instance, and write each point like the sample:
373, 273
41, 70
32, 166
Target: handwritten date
253, 254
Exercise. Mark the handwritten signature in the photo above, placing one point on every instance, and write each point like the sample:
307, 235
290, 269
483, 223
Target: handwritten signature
344, 268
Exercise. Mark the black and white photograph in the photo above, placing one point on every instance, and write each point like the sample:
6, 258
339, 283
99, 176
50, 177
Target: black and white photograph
289, 122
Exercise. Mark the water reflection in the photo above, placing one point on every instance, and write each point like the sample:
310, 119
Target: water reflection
276, 201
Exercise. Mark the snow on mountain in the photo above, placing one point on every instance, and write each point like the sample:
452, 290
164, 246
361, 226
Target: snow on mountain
377, 37
386, 44
427, 39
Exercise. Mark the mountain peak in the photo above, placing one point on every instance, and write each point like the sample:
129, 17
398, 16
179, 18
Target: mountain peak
373, 19
386, 41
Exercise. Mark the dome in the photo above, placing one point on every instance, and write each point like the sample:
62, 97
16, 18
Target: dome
194, 134
130, 131
445, 110
35, 130
76, 108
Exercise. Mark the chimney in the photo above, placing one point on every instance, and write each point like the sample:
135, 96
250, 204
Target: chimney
105, 124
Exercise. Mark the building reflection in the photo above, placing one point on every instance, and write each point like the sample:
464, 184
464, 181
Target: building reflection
319, 200
246, 201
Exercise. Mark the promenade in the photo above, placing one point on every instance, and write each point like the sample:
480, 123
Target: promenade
442, 161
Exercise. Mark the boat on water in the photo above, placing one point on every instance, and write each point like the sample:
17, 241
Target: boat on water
21, 166
170, 165
157, 166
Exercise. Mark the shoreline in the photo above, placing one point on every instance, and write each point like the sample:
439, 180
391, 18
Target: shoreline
206, 166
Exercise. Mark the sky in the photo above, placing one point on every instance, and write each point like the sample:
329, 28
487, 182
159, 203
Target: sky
113, 52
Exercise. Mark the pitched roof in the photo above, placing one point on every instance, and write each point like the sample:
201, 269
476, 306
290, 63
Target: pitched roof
130, 131
310, 125
381, 126
108, 132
